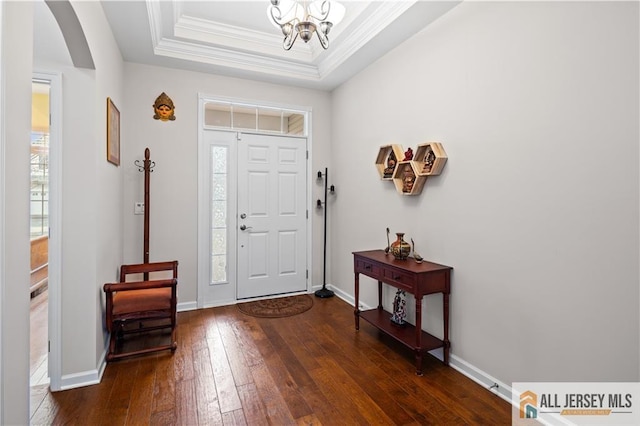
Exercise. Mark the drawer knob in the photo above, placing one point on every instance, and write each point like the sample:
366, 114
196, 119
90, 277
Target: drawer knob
396, 277
367, 267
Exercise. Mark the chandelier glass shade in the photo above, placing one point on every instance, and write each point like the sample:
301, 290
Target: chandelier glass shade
304, 18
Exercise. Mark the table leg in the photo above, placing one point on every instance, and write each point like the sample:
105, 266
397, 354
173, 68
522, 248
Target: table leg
379, 294
418, 334
356, 308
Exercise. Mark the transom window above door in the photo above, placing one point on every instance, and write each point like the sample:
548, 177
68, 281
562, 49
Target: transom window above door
259, 119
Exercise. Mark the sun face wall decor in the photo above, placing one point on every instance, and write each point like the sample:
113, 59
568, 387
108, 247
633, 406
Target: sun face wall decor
163, 108
410, 174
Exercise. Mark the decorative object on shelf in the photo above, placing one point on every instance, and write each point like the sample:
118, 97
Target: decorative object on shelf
302, 18
430, 158
391, 165
113, 133
386, 250
408, 155
399, 309
324, 292
408, 178
163, 108
387, 160
400, 249
416, 256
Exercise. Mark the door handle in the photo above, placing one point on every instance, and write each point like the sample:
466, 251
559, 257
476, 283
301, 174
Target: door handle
245, 227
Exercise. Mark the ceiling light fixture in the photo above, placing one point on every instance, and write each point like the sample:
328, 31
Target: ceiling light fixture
301, 18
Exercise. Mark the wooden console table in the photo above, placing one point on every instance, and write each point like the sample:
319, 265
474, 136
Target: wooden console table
418, 279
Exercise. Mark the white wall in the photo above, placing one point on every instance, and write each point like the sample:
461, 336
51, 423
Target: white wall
17, 42
174, 148
91, 192
106, 197
536, 105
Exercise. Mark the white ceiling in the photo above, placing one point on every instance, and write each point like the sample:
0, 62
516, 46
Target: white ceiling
236, 38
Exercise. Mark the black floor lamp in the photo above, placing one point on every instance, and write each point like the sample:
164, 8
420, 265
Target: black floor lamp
324, 292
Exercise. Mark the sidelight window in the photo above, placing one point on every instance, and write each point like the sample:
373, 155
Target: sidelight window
219, 207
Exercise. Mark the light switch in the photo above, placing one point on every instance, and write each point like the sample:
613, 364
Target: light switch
138, 207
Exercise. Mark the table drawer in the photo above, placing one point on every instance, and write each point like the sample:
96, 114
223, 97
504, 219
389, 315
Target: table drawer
400, 279
371, 269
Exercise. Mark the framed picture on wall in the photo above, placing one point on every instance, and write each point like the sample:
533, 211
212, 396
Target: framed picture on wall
113, 133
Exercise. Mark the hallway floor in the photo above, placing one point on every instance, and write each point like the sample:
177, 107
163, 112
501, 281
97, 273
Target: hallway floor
313, 368
39, 377
39, 338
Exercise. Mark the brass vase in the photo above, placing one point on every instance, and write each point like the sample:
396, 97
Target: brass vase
400, 249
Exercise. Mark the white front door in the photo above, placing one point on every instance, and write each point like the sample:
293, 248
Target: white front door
272, 215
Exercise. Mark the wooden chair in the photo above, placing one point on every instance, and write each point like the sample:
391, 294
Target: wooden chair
150, 304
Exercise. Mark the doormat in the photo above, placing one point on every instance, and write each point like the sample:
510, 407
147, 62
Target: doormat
278, 307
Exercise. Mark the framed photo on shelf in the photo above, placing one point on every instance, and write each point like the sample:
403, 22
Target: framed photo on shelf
113, 133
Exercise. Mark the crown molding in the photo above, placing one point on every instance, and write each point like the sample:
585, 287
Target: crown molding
383, 14
250, 50
234, 59
155, 21
213, 55
249, 40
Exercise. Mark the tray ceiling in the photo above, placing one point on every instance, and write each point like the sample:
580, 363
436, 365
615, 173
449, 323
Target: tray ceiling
236, 38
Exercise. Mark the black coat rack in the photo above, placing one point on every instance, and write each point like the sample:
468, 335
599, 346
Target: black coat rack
324, 292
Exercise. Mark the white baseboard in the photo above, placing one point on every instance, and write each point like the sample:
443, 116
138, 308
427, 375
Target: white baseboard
84, 378
187, 306
344, 296
482, 378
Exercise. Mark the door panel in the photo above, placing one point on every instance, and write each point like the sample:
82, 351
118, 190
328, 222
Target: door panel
272, 197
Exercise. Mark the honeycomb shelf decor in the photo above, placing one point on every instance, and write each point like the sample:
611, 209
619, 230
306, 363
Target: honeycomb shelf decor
407, 179
387, 160
429, 159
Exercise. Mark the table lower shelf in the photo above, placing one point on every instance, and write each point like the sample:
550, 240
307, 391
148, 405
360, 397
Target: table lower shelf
406, 335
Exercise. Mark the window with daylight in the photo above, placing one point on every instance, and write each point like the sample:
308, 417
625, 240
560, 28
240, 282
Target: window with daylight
259, 119
39, 160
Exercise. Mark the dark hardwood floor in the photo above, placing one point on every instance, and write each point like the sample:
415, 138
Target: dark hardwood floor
310, 369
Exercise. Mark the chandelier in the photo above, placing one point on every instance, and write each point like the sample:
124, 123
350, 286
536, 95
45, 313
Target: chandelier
302, 18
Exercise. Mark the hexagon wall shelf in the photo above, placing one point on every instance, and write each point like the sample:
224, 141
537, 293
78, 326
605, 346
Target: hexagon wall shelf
430, 158
410, 176
385, 156
407, 180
